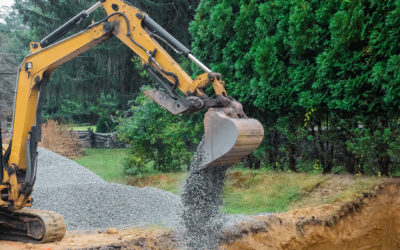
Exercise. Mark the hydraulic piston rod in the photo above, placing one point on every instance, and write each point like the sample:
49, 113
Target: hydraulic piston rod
66, 27
200, 64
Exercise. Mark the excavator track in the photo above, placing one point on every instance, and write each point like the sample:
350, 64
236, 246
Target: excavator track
33, 226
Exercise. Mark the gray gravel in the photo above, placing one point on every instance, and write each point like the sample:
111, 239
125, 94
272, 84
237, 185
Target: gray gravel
86, 201
202, 220
56, 170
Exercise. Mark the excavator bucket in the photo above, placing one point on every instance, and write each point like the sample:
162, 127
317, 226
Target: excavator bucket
227, 139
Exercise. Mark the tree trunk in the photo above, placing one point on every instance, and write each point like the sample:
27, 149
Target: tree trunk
292, 157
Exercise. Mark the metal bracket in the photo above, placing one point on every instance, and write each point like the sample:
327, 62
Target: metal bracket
164, 100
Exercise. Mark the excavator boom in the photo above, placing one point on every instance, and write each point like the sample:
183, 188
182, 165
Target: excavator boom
229, 134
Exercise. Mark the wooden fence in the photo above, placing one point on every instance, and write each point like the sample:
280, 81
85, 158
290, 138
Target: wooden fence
91, 139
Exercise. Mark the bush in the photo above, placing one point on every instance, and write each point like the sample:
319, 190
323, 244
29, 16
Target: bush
60, 140
376, 150
105, 110
105, 124
160, 141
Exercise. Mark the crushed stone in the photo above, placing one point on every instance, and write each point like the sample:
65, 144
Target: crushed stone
88, 202
56, 170
202, 220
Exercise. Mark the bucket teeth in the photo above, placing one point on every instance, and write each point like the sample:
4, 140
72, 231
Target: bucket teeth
227, 139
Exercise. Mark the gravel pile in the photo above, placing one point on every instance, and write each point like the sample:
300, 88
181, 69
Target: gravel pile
86, 201
55, 170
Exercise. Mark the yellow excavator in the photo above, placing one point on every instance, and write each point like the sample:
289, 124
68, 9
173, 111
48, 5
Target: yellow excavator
229, 134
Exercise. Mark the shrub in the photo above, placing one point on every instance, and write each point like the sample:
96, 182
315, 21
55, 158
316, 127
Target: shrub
105, 124
160, 141
105, 109
376, 150
60, 140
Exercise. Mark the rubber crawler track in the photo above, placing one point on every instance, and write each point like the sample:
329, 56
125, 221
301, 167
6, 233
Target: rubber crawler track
54, 226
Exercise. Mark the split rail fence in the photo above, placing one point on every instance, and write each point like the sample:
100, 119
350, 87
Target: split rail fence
90, 139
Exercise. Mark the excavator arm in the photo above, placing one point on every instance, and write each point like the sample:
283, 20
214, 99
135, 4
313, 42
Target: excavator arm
229, 134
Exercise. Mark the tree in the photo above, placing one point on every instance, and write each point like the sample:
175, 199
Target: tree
317, 71
8, 71
107, 68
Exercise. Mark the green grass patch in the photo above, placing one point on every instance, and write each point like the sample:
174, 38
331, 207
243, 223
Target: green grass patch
246, 191
171, 182
357, 186
82, 128
251, 192
107, 163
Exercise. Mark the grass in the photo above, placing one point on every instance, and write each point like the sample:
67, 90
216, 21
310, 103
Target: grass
171, 182
251, 192
359, 185
246, 191
107, 163
82, 128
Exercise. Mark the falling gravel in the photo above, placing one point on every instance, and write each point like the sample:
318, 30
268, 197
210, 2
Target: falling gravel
202, 220
86, 201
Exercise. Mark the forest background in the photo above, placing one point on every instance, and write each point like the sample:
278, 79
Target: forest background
322, 77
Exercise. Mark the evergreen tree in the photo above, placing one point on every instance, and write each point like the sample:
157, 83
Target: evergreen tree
323, 71
108, 68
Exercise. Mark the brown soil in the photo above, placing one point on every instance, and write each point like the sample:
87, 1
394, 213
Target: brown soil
371, 221
124, 239
153, 179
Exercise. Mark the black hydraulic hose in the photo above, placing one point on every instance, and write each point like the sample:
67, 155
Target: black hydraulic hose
158, 79
129, 34
161, 32
7, 154
63, 29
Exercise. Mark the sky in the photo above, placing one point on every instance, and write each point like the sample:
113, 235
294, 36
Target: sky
6, 2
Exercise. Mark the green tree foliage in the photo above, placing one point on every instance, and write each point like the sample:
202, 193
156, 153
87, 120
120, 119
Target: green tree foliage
4, 38
7, 75
107, 104
326, 72
159, 140
76, 86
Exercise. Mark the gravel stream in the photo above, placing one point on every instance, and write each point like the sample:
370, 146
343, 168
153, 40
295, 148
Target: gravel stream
202, 220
